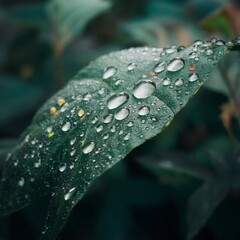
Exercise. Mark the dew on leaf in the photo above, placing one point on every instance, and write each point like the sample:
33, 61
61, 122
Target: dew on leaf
37, 164
130, 124
159, 67
73, 141
117, 100
21, 182
131, 66
53, 111
99, 128
179, 82
81, 113
193, 77
108, 118
166, 81
143, 111
62, 168
73, 152
60, 101
175, 65
87, 97
122, 114
88, 148
66, 126
109, 72
70, 193
127, 137
144, 89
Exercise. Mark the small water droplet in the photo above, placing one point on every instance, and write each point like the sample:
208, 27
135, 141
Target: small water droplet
193, 77
106, 136
109, 72
144, 89
88, 148
108, 118
73, 152
122, 114
131, 66
70, 193
62, 168
179, 82
127, 137
73, 141
87, 97
66, 127
81, 113
209, 52
117, 100
94, 120
102, 92
21, 182
37, 164
60, 101
49, 129
159, 67
99, 128
143, 111
166, 81
130, 124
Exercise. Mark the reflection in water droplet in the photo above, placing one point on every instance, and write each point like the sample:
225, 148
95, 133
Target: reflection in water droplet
179, 82
122, 114
159, 67
88, 148
193, 77
131, 66
117, 100
166, 81
69, 194
108, 118
109, 72
175, 65
66, 127
144, 89
143, 111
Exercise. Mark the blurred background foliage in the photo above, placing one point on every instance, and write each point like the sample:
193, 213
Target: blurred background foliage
170, 187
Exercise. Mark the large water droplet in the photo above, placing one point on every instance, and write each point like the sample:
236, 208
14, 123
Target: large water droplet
122, 114
159, 67
66, 126
70, 193
109, 72
117, 100
144, 89
143, 111
175, 65
193, 77
88, 148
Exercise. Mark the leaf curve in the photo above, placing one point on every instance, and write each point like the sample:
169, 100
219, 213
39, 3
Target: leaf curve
110, 107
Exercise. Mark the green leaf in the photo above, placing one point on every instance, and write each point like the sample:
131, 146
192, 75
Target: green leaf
70, 17
180, 163
112, 106
202, 204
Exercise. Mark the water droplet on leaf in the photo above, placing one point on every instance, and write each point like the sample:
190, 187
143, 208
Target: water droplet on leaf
175, 65
144, 89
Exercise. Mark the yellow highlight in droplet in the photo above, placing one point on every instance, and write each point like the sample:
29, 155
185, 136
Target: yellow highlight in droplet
50, 134
53, 111
81, 113
60, 101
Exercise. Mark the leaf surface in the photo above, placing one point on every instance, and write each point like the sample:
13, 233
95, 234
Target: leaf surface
108, 109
